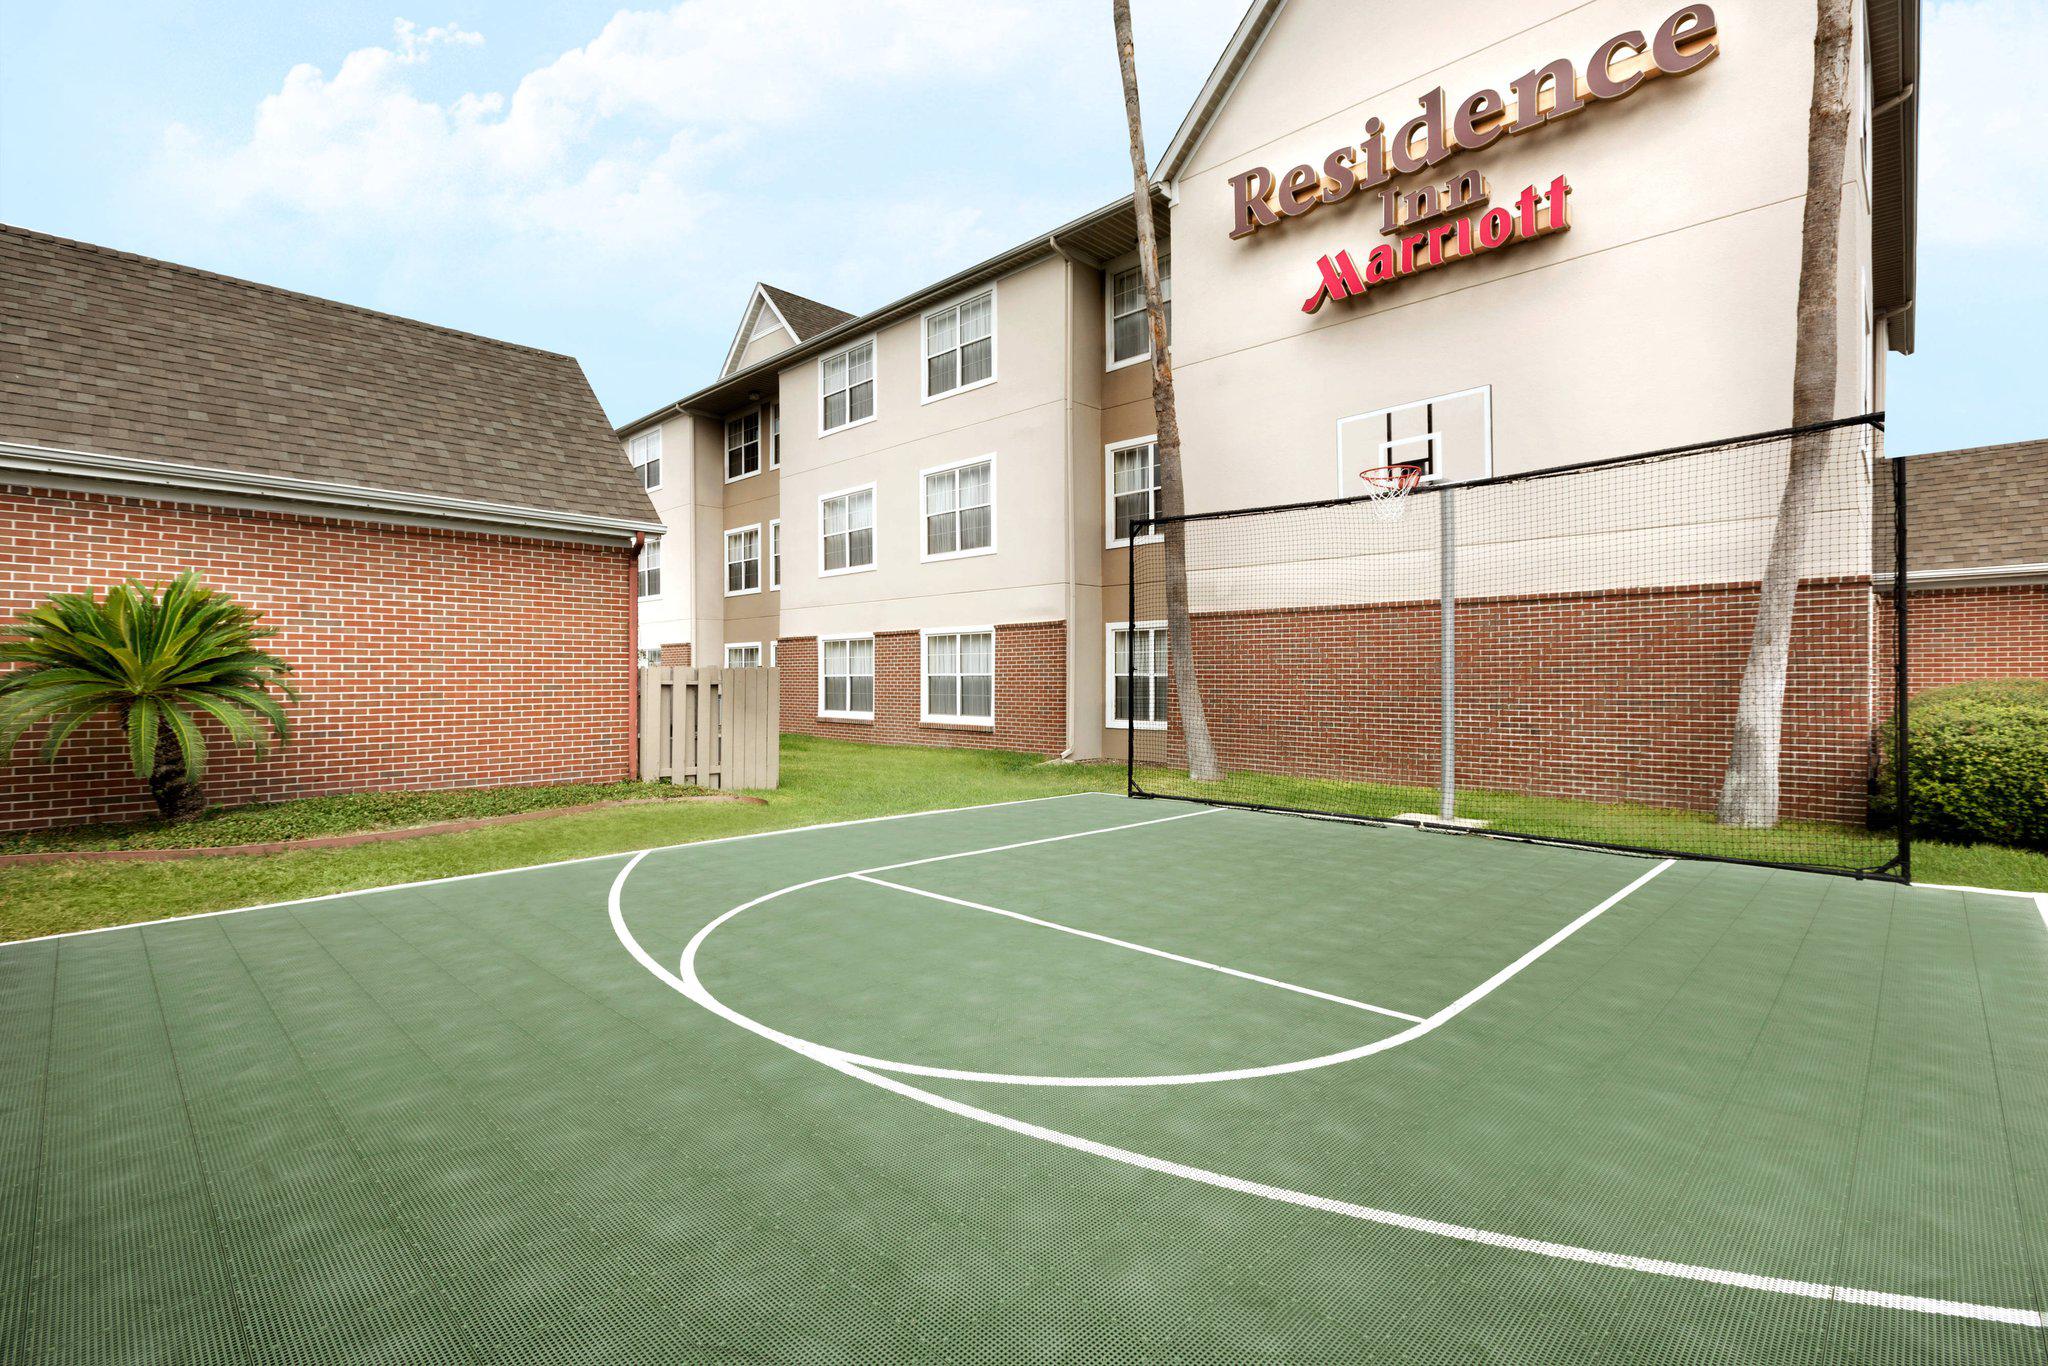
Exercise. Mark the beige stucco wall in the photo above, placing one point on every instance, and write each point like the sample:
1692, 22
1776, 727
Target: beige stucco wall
668, 619
1664, 316
1020, 419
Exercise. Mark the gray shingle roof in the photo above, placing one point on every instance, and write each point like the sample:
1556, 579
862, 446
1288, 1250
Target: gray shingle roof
807, 316
118, 354
1977, 508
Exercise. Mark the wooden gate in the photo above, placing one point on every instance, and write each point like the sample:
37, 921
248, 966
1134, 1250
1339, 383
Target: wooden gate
710, 727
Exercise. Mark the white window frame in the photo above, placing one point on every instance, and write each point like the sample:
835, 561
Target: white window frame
924, 365
875, 539
823, 641
753, 645
924, 553
650, 547
644, 449
1109, 274
1109, 717
775, 554
872, 340
775, 436
1111, 539
1390, 451
740, 419
771, 653
924, 695
727, 564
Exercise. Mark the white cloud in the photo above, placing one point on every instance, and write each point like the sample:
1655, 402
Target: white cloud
1983, 165
604, 143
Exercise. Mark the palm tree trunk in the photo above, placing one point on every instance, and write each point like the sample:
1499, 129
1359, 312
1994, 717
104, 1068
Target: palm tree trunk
1194, 721
177, 797
1749, 791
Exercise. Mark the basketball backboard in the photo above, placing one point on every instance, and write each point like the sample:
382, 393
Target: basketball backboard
1450, 436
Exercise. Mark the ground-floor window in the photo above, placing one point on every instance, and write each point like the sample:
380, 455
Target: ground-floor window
846, 678
743, 656
1137, 675
960, 676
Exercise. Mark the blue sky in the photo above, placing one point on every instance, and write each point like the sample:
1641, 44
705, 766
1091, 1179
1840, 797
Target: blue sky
609, 182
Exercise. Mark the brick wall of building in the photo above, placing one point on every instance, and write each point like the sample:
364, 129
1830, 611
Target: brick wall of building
1966, 635
427, 658
1612, 697
1030, 692
676, 656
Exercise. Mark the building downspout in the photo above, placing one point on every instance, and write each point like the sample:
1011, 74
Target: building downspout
1073, 597
633, 657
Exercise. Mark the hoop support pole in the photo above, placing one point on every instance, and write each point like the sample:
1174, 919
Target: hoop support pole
1447, 671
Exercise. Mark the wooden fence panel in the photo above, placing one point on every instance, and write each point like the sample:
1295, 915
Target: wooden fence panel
710, 727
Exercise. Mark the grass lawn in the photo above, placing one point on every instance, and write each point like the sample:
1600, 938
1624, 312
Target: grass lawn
822, 780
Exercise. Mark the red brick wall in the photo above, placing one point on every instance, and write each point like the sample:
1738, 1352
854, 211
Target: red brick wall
676, 656
1965, 635
428, 658
1031, 692
1624, 696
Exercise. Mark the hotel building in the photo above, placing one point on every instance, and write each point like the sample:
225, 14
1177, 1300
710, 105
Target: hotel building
918, 512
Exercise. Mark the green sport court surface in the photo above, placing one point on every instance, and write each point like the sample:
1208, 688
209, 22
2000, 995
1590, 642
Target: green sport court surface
1080, 1079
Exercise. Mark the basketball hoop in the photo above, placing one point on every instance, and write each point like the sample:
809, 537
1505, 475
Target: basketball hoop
1388, 486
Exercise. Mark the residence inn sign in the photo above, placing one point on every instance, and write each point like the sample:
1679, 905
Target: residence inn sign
1426, 222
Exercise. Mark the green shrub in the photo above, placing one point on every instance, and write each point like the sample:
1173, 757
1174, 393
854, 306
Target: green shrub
1979, 762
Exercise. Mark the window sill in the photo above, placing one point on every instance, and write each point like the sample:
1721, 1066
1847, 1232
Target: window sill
956, 555
957, 722
742, 592
855, 716
843, 427
739, 478
836, 573
1126, 725
1114, 544
1127, 364
954, 392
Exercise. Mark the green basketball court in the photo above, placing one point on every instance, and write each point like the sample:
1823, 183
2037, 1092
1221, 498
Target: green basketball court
1082, 1079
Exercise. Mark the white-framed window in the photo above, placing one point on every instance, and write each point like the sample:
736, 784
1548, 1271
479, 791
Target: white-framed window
960, 676
771, 654
775, 555
846, 531
1130, 334
960, 509
742, 446
1132, 480
743, 656
846, 677
775, 436
960, 346
650, 569
743, 561
1137, 675
650, 657
846, 387
644, 450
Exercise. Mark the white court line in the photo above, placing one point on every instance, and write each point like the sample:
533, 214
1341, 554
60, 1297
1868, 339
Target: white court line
841, 1062
1414, 1031
556, 863
2041, 902
1963, 887
1140, 948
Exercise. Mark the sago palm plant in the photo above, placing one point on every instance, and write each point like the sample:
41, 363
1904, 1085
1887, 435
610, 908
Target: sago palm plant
160, 659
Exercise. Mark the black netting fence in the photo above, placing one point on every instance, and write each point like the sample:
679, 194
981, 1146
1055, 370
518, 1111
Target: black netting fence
1690, 651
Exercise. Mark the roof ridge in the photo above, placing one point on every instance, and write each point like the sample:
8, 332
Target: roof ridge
278, 290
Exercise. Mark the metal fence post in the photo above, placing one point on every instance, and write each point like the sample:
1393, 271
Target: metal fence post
1447, 671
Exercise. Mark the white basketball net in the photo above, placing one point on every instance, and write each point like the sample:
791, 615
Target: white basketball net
1388, 486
